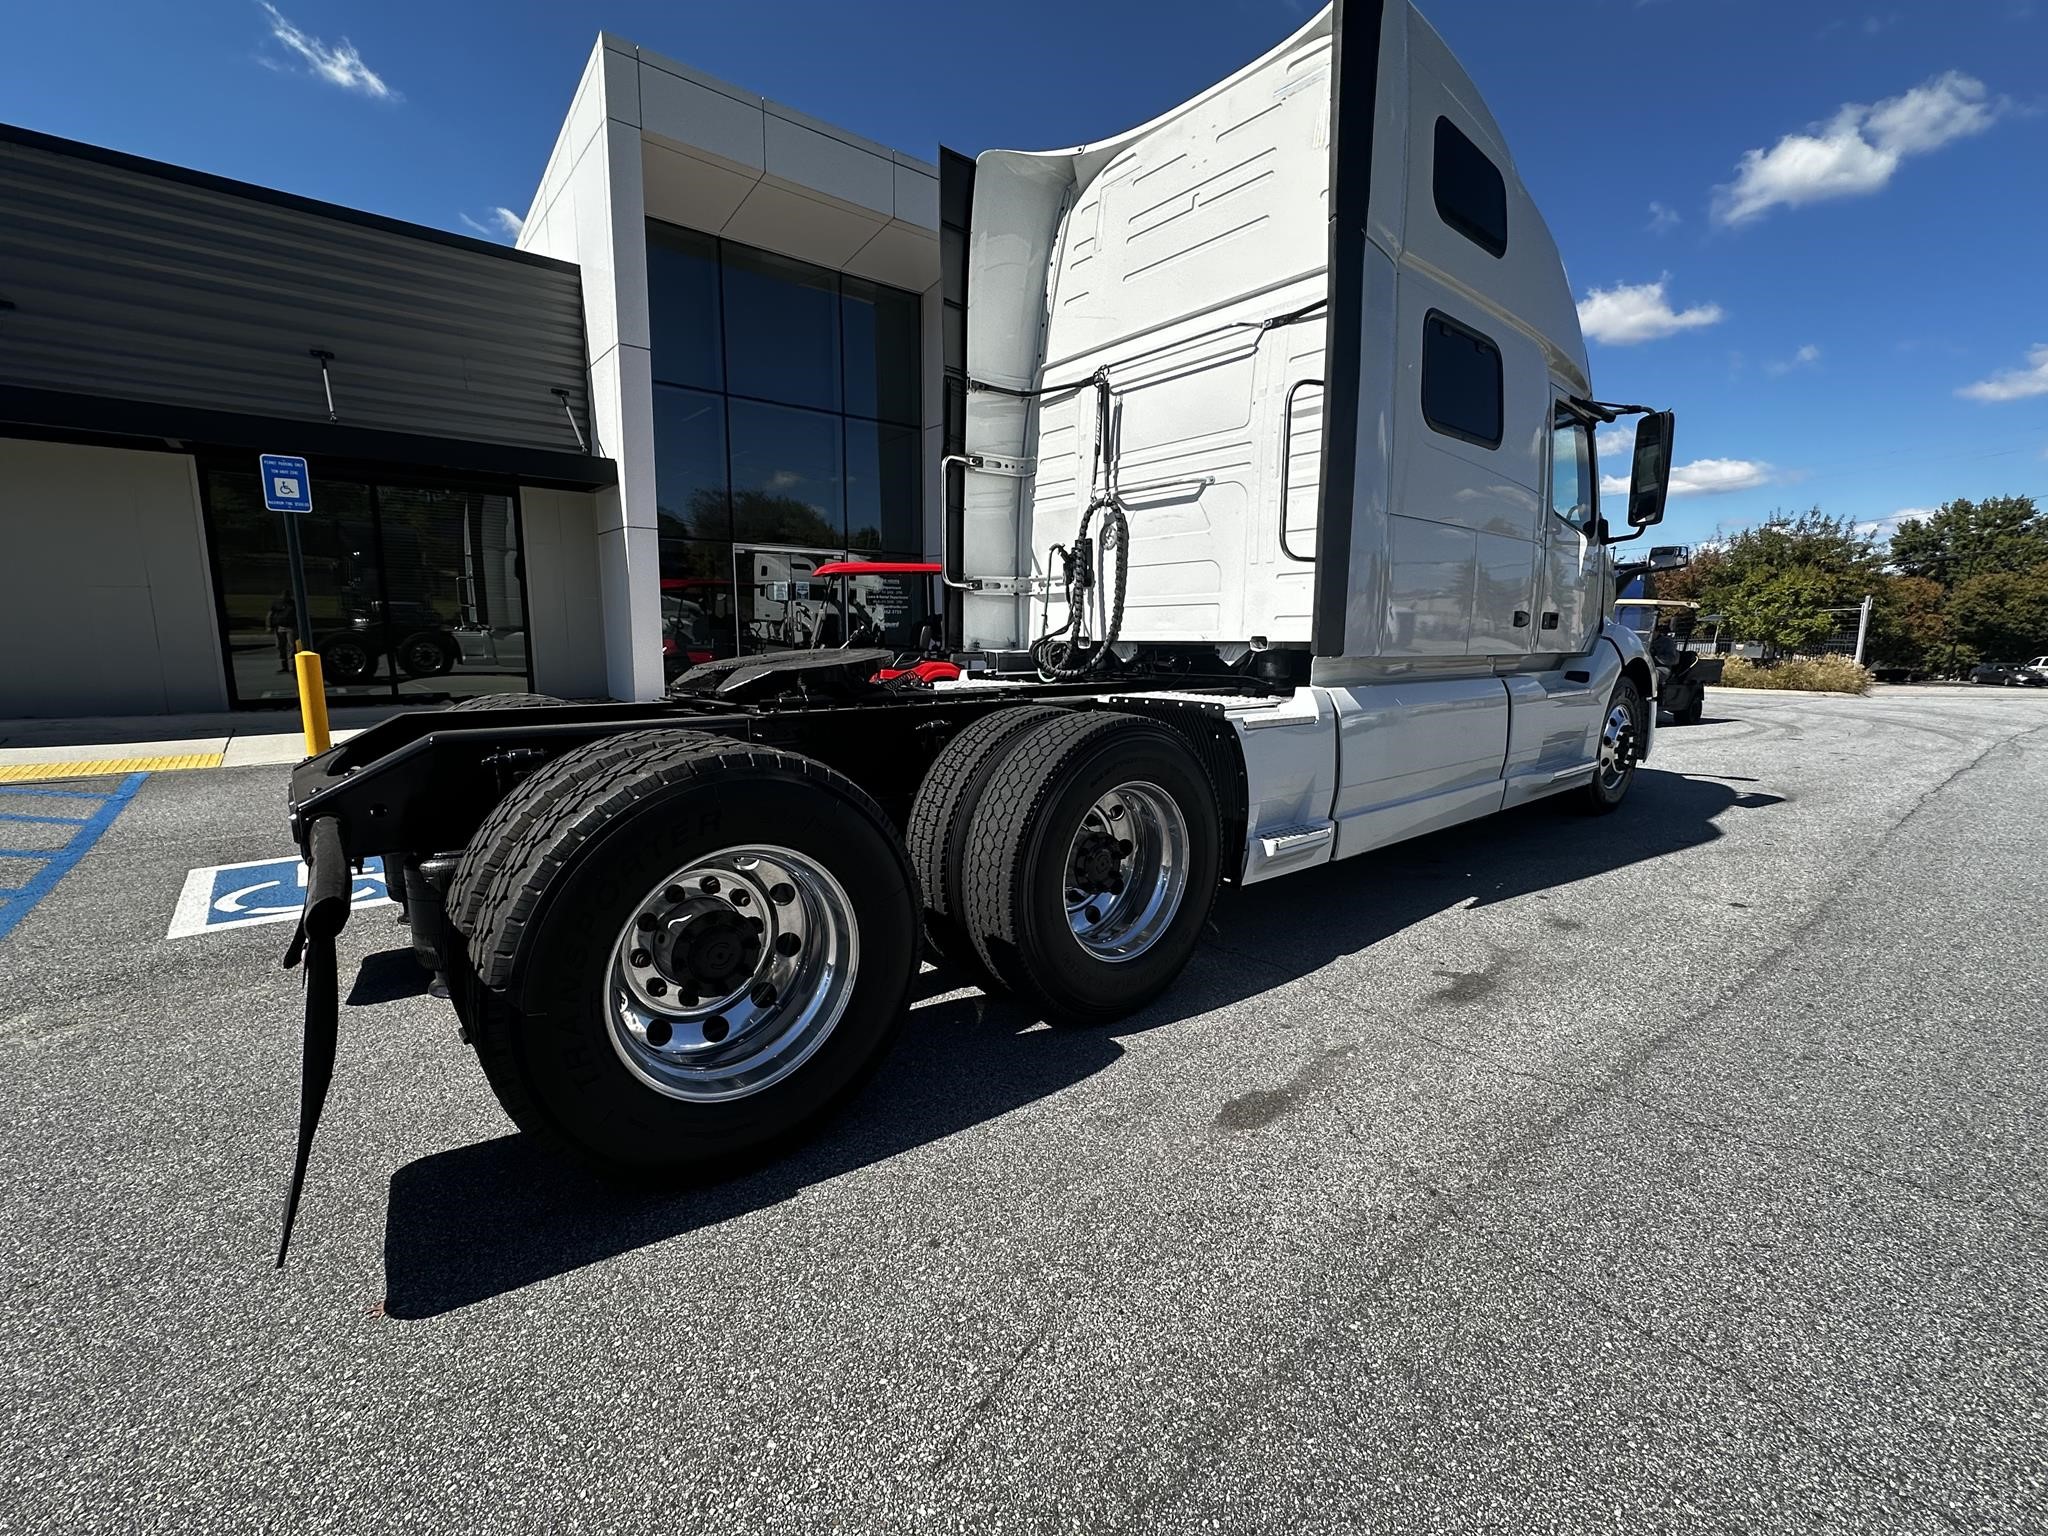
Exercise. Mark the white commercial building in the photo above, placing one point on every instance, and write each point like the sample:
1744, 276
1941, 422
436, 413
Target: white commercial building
714, 362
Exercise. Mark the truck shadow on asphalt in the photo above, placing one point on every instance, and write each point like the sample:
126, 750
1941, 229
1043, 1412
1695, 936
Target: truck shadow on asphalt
478, 1221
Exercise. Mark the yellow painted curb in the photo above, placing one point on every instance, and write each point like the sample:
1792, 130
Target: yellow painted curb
22, 773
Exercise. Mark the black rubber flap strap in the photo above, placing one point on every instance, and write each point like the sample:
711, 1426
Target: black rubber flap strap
328, 884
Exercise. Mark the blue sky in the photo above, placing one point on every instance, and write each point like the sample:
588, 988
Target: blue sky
1817, 229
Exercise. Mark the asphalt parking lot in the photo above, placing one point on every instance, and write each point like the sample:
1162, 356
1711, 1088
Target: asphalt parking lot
1676, 1171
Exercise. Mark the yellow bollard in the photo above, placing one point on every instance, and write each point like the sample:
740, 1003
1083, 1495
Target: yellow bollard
313, 703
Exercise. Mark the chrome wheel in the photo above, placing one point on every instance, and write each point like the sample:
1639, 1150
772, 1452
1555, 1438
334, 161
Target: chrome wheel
732, 972
1617, 747
1127, 871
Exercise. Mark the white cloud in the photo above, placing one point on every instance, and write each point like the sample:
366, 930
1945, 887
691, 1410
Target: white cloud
1704, 477
1858, 149
503, 224
336, 63
1629, 313
1806, 357
2013, 383
1662, 217
1885, 527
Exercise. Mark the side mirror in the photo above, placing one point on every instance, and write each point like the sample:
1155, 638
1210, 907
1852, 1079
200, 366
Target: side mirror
1650, 479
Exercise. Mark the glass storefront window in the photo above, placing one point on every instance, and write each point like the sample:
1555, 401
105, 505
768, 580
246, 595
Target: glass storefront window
882, 363
785, 476
682, 266
414, 592
696, 604
781, 329
689, 462
884, 508
788, 415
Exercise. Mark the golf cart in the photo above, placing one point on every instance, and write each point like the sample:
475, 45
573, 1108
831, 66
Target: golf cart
1667, 627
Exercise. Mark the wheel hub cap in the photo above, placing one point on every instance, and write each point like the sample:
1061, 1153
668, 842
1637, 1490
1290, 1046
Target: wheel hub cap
731, 972
1127, 871
710, 946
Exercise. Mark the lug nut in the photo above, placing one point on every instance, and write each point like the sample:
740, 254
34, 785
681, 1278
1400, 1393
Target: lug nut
686, 999
764, 996
656, 986
787, 944
641, 957
739, 897
673, 894
759, 926
658, 1033
1116, 813
708, 885
782, 893
1123, 848
715, 1028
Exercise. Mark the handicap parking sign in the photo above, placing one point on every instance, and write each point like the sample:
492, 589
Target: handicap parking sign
286, 485
260, 891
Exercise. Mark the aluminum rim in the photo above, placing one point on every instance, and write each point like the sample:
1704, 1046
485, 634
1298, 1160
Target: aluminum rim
1126, 872
1617, 747
731, 973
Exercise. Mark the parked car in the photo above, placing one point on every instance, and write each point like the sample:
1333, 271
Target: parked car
2012, 674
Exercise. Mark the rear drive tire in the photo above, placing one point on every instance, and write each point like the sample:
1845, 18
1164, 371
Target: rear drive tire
682, 950
941, 815
1066, 904
1695, 708
1621, 737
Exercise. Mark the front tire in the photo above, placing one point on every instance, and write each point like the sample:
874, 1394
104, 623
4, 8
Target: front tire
683, 951
1621, 736
1091, 864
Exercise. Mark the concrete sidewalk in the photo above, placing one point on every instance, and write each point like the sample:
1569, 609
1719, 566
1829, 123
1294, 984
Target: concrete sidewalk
36, 750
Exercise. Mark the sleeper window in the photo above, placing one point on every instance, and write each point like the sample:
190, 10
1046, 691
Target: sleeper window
1461, 381
1471, 195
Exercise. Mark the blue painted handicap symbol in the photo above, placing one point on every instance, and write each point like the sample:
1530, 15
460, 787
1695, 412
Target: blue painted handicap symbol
262, 891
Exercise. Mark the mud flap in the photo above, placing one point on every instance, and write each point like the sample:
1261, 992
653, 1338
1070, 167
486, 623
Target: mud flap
328, 884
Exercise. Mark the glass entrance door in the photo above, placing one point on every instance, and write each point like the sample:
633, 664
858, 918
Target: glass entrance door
415, 592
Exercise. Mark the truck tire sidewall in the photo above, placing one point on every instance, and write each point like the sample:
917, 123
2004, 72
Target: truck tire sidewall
1599, 797
575, 1070
1082, 987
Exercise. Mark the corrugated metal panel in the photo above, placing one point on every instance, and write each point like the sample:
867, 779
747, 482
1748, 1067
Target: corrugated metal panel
143, 284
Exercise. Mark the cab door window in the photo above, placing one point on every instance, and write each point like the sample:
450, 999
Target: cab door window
1571, 470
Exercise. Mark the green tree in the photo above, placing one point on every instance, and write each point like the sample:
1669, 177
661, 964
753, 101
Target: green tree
1784, 610
1965, 538
2002, 614
1775, 583
1908, 627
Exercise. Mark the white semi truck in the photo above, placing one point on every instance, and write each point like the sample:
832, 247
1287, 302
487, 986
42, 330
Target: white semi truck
1276, 539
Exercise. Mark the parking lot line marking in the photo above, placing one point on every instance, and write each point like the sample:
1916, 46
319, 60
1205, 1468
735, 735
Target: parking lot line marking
92, 768
17, 903
61, 821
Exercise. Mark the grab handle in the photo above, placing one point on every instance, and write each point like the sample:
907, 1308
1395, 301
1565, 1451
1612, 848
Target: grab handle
1286, 458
